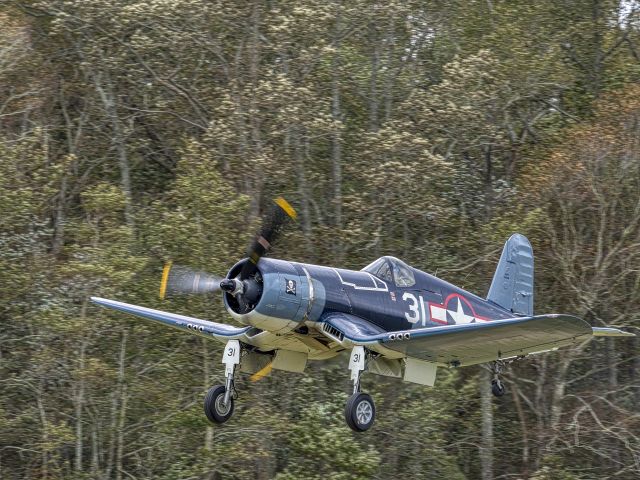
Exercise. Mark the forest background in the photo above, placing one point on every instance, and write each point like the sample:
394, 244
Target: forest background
132, 132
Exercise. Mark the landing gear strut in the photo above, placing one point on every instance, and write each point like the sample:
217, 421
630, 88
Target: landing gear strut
497, 387
360, 411
218, 403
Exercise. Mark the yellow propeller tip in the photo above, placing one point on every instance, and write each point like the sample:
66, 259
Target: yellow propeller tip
165, 277
286, 206
263, 372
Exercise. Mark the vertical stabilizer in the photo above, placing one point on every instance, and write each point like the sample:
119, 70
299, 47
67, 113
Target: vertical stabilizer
512, 285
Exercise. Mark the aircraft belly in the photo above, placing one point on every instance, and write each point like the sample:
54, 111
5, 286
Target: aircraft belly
272, 324
267, 341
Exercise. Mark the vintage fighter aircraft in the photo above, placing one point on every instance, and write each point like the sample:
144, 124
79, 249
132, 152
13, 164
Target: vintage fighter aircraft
396, 320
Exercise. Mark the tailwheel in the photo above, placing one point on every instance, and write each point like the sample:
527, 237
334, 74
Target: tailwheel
497, 387
360, 412
215, 407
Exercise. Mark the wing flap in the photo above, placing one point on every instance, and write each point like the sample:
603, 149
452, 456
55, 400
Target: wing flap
483, 342
468, 344
193, 325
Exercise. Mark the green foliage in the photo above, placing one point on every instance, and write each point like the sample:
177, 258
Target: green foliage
552, 469
135, 132
328, 451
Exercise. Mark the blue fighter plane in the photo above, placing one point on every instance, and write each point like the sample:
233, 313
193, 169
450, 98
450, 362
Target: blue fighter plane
394, 319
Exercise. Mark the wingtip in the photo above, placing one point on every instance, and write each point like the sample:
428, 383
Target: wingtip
100, 301
610, 332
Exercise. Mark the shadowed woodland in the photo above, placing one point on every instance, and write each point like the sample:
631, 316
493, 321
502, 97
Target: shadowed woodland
137, 131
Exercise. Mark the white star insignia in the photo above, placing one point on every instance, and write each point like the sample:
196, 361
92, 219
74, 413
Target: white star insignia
459, 317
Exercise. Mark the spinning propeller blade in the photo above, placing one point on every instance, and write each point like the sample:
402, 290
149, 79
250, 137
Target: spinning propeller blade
177, 279
272, 227
263, 372
183, 280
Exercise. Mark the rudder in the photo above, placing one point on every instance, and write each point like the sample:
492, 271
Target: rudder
512, 285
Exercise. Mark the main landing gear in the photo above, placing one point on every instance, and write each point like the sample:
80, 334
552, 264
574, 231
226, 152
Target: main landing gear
218, 403
360, 411
497, 387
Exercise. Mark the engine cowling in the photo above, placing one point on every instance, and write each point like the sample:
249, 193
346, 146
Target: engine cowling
277, 296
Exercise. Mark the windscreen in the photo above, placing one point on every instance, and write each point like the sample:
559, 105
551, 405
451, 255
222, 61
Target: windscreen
391, 269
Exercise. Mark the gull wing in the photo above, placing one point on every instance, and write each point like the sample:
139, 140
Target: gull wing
467, 344
205, 328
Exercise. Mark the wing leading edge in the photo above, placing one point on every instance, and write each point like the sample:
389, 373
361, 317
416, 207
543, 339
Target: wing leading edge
473, 343
219, 331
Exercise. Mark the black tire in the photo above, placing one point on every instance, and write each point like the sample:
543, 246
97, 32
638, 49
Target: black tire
497, 388
213, 408
360, 412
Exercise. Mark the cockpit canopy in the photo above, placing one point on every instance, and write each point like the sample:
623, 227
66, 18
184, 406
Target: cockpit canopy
392, 269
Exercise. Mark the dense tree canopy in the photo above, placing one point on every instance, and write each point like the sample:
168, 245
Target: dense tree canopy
137, 131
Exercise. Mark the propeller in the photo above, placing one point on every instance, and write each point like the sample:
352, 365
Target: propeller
280, 211
183, 280
177, 279
263, 372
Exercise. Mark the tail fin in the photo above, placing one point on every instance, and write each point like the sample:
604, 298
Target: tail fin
512, 285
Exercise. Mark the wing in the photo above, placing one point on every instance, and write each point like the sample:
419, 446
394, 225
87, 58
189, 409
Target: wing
219, 331
610, 332
466, 344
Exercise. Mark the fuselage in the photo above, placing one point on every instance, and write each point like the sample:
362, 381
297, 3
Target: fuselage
387, 293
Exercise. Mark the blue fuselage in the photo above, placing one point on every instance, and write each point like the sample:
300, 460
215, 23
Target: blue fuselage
294, 293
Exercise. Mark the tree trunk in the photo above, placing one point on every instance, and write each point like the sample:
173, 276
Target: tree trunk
486, 446
488, 182
336, 141
78, 407
612, 364
373, 83
636, 367
208, 434
107, 95
112, 436
389, 77
560, 382
44, 458
523, 428
123, 407
303, 188
95, 457
255, 119
59, 218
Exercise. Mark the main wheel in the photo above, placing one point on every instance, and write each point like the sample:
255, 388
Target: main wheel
214, 407
497, 388
360, 412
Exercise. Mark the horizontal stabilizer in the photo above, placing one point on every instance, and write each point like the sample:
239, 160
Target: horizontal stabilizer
610, 332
